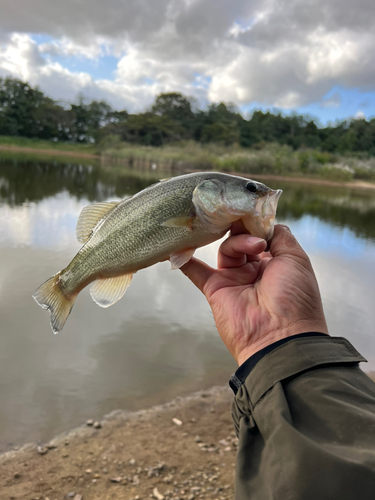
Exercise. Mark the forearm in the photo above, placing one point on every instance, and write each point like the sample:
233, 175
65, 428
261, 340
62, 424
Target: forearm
305, 418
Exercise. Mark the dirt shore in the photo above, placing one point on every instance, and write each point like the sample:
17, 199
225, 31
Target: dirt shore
51, 152
133, 456
182, 450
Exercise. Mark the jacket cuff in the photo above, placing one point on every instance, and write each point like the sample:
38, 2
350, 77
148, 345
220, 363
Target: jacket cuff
242, 372
294, 357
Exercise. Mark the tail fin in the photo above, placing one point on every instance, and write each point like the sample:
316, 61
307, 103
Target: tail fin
49, 296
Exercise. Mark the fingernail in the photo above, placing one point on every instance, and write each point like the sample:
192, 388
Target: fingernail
253, 240
285, 227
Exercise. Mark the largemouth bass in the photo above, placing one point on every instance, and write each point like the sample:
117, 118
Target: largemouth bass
168, 220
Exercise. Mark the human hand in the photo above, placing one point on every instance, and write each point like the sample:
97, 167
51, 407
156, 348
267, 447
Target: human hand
258, 298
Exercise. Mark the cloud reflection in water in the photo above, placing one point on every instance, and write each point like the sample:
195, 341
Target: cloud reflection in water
158, 341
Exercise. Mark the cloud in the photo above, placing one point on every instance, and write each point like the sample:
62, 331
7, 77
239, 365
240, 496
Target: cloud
21, 57
275, 52
83, 20
333, 101
66, 47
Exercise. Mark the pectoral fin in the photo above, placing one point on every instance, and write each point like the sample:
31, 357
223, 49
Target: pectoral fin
179, 222
105, 292
180, 258
89, 217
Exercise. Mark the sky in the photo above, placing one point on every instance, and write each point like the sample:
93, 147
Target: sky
314, 57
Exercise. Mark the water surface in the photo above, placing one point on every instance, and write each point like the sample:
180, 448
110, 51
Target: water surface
160, 340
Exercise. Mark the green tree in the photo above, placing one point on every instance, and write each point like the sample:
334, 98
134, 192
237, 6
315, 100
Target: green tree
221, 124
220, 133
177, 108
152, 130
174, 105
19, 104
26, 111
88, 119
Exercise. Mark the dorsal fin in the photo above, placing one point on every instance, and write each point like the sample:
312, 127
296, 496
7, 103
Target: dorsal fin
90, 216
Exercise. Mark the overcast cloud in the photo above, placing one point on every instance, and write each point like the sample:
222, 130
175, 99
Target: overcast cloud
288, 54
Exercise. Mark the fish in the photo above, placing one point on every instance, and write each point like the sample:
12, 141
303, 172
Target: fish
167, 220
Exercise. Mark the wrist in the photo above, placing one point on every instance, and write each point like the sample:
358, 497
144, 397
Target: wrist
271, 337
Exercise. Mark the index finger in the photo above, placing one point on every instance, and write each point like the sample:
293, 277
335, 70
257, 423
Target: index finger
198, 272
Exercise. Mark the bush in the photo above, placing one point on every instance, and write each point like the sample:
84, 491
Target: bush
271, 158
112, 141
364, 173
337, 172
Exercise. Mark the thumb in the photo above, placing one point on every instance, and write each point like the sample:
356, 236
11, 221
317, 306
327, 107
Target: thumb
284, 244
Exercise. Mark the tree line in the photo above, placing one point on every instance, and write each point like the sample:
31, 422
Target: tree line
26, 111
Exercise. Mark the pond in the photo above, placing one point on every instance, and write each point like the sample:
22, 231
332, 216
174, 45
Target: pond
160, 340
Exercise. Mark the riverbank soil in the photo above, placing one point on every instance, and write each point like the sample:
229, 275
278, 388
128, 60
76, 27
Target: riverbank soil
183, 450
54, 152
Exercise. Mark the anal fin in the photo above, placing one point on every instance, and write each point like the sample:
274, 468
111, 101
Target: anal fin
107, 291
178, 259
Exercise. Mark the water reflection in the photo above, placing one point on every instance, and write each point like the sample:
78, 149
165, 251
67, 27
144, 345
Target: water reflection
159, 340
342, 207
25, 181
22, 182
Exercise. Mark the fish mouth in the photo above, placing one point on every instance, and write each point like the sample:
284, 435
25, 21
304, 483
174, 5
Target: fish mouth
269, 203
262, 224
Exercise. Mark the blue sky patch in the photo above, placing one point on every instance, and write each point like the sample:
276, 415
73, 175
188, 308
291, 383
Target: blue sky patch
337, 105
201, 80
346, 103
39, 39
101, 68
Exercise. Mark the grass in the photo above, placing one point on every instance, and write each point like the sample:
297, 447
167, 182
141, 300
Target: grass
22, 155
184, 155
24, 142
268, 159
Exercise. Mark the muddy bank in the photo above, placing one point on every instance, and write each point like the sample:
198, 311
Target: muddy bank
51, 152
182, 450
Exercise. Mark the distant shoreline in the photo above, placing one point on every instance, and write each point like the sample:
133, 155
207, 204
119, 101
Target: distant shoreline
304, 180
54, 152
308, 180
354, 184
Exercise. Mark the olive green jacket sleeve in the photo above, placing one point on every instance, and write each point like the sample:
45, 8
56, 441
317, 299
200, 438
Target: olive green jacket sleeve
305, 419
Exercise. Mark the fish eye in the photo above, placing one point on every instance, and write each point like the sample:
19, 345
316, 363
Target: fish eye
250, 186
